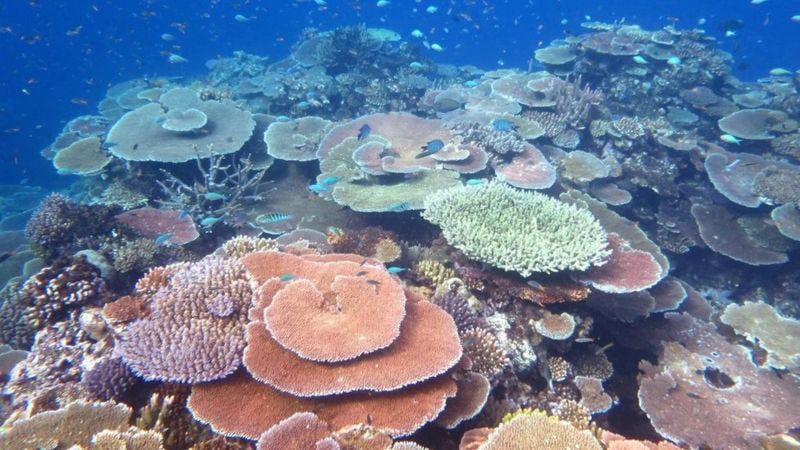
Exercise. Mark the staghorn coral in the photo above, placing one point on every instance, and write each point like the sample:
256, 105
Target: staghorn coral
519, 231
237, 179
195, 331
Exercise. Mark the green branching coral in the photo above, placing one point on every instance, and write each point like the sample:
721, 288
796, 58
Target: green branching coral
525, 232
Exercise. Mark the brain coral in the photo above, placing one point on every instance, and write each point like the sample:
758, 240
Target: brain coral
164, 131
525, 232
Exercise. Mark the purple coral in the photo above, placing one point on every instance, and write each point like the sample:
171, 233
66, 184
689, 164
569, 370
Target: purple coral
66, 285
455, 304
59, 222
195, 332
109, 379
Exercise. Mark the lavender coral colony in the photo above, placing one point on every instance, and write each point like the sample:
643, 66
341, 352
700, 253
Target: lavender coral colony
355, 247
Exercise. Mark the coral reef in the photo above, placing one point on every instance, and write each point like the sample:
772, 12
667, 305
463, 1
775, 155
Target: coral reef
412, 286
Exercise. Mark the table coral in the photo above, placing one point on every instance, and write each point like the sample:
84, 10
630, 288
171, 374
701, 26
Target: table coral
517, 231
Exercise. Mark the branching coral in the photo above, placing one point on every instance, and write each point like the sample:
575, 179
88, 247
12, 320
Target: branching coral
195, 331
222, 187
518, 231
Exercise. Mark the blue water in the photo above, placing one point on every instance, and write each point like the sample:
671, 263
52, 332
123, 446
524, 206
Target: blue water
60, 57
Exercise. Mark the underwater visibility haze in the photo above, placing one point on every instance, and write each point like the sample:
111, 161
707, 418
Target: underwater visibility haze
390, 224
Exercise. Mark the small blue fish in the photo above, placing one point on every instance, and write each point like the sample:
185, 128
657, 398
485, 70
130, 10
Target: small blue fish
327, 181
286, 277
163, 239
213, 196
363, 132
475, 181
502, 125
183, 215
209, 222
272, 218
399, 207
431, 147
395, 269
470, 83
318, 188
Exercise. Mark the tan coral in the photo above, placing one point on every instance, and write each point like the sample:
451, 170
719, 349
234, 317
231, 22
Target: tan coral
133, 439
778, 335
435, 271
239, 246
75, 424
387, 250
484, 350
534, 429
559, 368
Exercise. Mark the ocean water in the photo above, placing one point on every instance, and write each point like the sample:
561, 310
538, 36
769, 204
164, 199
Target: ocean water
48, 56
354, 208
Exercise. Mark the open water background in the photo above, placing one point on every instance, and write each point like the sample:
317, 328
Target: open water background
56, 55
